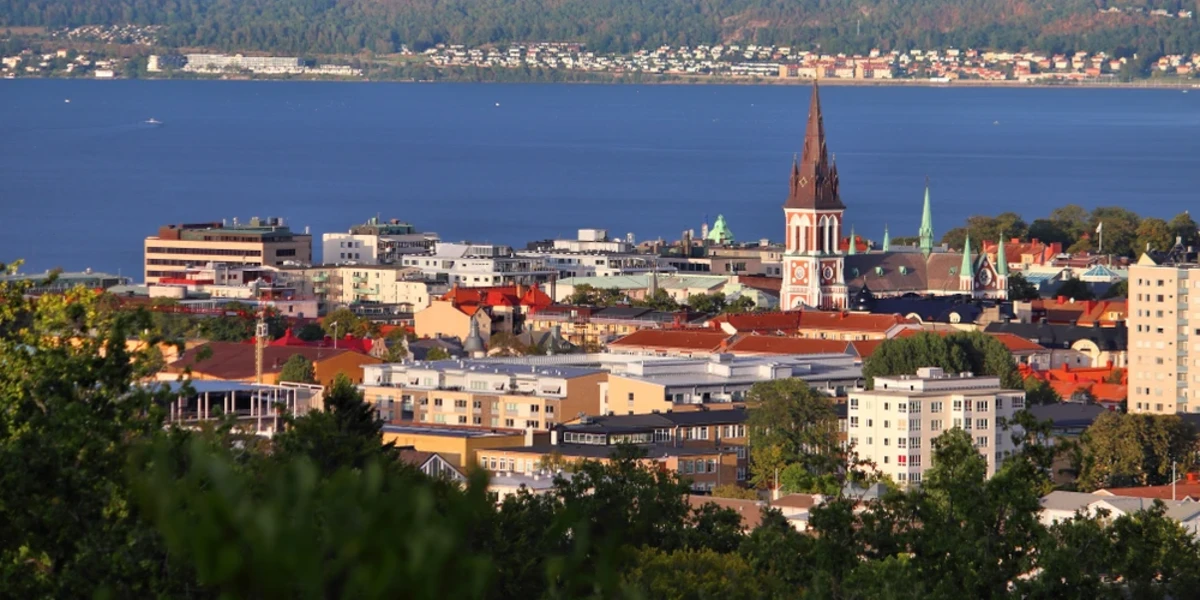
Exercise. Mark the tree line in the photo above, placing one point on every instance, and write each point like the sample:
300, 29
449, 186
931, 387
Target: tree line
328, 26
1125, 232
101, 499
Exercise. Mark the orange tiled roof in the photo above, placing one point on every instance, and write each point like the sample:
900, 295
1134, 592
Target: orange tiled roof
673, 339
865, 348
768, 344
505, 295
749, 510
1183, 489
809, 319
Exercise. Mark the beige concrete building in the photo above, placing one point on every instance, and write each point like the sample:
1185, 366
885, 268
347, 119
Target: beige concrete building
260, 242
894, 424
1164, 337
483, 393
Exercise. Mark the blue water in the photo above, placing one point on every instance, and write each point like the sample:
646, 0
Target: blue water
82, 183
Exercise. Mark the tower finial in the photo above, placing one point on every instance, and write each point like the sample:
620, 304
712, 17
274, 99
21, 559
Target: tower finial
887, 240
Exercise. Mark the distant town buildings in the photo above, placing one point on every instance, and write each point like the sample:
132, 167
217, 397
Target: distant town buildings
267, 242
375, 242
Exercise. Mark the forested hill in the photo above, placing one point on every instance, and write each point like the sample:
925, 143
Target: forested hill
346, 26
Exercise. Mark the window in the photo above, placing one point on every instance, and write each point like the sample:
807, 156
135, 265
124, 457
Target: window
957, 422
914, 443
902, 407
854, 421
437, 401
901, 476
914, 460
534, 408
710, 466
900, 442
999, 403
885, 441
981, 405
687, 466
981, 442
853, 403
958, 405
662, 435
935, 425
887, 424
510, 407
914, 424
741, 452
981, 423
462, 419
902, 460
914, 407
479, 385
477, 404
509, 423
914, 478
460, 404
741, 473
935, 407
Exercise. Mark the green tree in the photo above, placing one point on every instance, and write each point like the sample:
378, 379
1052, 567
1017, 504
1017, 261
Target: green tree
1153, 234
1050, 231
1184, 228
796, 479
348, 433
311, 332
733, 491
1120, 230
659, 300
69, 416
742, 304
1075, 289
1038, 392
343, 322
437, 354
1020, 288
1119, 289
976, 352
694, 574
298, 369
798, 421
780, 552
1073, 220
1121, 450
709, 304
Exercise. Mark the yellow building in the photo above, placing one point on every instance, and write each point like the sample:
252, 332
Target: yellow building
1164, 336
260, 242
444, 319
458, 445
483, 393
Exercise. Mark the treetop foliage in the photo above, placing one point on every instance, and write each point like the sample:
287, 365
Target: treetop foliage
957, 352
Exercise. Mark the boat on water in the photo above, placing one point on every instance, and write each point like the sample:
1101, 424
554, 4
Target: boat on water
153, 121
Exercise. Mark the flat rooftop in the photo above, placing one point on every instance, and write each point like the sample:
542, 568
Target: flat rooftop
453, 432
492, 367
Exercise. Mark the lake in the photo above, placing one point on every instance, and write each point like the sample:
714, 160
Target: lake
83, 182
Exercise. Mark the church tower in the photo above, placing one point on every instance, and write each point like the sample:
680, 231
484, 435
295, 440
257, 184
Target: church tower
813, 265
926, 232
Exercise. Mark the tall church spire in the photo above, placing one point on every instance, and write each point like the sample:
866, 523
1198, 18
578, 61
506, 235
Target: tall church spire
926, 232
814, 183
967, 271
853, 243
1001, 260
887, 240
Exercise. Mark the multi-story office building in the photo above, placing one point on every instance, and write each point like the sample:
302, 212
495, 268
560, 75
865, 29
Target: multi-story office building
260, 242
593, 254
1164, 334
479, 265
894, 424
483, 393
375, 243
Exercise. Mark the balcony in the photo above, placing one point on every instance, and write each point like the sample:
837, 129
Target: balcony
320, 278
357, 279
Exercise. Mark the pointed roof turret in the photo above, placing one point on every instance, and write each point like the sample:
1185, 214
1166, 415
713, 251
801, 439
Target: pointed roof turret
1001, 260
853, 243
926, 232
887, 240
967, 269
474, 345
814, 183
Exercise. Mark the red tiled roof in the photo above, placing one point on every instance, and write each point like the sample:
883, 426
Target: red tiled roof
865, 348
749, 510
231, 360
768, 344
1183, 489
505, 295
673, 339
809, 319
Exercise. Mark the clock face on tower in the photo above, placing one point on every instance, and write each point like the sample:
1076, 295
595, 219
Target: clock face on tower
985, 277
800, 274
827, 273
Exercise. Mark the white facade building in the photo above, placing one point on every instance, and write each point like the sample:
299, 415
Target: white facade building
894, 424
374, 243
479, 265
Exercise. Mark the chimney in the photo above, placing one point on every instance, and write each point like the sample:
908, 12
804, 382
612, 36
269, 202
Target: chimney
1061, 299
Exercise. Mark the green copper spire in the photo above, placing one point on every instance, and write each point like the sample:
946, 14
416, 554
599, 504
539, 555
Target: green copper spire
967, 270
926, 232
887, 240
853, 243
1001, 261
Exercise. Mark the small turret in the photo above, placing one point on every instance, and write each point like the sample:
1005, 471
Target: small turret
473, 345
1001, 260
966, 273
887, 240
853, 243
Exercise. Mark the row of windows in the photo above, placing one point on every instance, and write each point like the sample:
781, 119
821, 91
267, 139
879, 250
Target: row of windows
700, 466
204, 251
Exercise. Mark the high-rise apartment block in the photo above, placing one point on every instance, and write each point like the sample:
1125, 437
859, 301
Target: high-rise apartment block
260, 242
1164, 335
894, 425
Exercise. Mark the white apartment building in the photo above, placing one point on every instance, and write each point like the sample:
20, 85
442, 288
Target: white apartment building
894, 424
342, 285
479, 265
1164, 336
374, 243
593, 254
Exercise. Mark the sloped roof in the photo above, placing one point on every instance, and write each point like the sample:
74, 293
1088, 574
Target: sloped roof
1013, 343
749, 510
691, 339
902, 272
231, 360
505, 295
770, 322
1183, 489
768, 344
1063, 336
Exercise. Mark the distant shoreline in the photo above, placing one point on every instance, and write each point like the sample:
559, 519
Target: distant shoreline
620, 79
